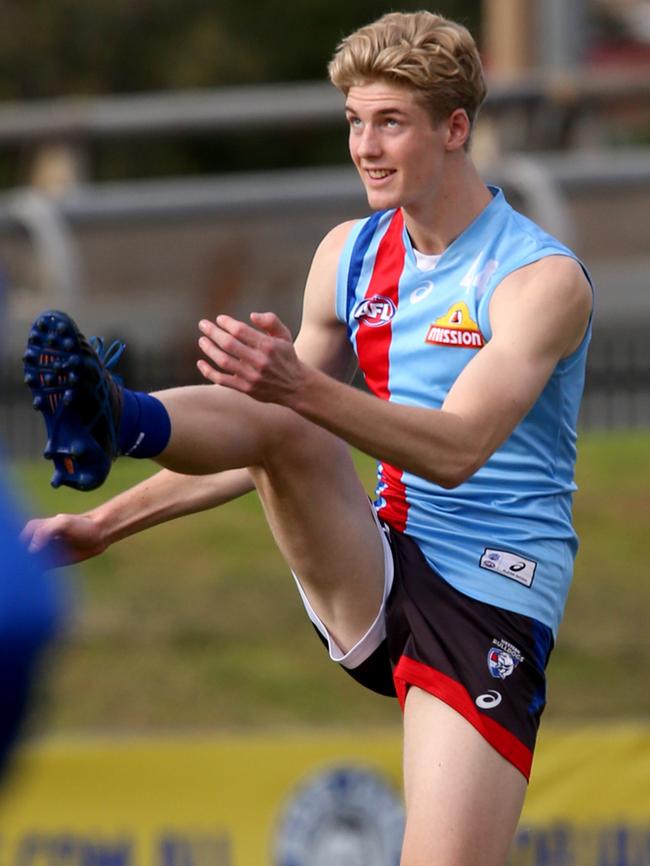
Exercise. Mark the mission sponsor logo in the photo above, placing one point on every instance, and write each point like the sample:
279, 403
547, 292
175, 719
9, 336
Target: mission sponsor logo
375, 311
456, 328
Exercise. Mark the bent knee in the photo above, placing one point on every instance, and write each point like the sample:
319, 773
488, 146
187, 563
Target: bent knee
289, 440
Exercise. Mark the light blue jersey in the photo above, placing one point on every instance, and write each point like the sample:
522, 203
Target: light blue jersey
505, 536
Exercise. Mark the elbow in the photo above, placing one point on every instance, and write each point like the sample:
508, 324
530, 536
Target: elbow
449, 482
456, 470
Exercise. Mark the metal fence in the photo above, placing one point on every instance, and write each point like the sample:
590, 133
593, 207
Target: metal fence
617, 389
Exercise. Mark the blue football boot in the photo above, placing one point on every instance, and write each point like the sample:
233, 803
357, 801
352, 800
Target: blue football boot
70, 378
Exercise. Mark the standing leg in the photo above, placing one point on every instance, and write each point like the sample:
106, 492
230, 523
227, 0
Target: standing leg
463, 800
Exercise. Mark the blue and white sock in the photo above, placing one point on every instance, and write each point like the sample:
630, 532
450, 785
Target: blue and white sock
145, 426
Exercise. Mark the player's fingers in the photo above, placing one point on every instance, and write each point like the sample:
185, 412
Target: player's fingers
217, 377
272, 325
230, 341
37, 535
222, 359
207, 371
240, 331
27, 532
68, 528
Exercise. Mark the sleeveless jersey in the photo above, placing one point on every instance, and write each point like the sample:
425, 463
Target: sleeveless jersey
505, 535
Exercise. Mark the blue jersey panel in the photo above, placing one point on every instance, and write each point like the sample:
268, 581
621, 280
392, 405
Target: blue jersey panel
505, 536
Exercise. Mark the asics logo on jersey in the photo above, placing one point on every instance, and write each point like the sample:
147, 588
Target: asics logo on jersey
511, 565
375, 311
421, 293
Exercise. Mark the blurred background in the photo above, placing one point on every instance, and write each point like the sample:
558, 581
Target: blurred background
162, 162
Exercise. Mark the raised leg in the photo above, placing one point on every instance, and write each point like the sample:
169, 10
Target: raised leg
316, 506
313, 499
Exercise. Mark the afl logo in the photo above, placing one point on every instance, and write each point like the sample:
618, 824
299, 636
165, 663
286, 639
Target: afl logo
344, 816
375, 311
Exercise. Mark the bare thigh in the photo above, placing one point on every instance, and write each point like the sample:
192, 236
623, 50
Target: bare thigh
313, 499
323, 524
463, 800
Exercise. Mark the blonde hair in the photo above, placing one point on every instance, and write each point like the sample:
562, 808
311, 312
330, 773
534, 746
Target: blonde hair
428, 53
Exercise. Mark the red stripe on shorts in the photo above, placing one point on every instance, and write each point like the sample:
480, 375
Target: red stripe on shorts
410, 672
373, 351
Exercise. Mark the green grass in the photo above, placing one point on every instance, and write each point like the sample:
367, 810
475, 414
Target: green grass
600, 666
197, 624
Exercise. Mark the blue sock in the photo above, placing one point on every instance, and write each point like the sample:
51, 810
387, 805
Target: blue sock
145, 427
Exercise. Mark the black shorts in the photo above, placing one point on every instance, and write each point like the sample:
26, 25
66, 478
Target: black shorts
485, 662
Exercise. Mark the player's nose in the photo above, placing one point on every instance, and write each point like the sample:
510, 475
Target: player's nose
368, 143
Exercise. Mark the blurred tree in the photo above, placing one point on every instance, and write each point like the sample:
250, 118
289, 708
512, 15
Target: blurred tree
51, 48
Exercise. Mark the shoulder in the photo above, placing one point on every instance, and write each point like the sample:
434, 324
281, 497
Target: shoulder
553, 278
322, 272
349, 241
321, 280
334, 241
322, 341
553, 291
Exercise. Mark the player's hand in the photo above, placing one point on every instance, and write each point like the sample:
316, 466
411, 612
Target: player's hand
259, 361
64, 539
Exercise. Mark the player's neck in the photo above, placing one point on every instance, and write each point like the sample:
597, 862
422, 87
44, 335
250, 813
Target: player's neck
433, 225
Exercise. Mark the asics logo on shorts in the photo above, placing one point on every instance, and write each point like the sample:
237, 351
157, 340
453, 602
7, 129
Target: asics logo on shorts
489, 700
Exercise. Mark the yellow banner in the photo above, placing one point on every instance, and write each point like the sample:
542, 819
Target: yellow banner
235, 800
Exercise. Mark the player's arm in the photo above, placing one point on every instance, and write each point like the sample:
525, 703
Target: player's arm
538, 315
70, 538
168, 495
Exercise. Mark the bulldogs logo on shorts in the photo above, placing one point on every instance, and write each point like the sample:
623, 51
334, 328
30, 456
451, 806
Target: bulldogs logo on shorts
502, 659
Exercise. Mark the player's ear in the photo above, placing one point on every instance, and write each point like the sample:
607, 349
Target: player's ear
458, 129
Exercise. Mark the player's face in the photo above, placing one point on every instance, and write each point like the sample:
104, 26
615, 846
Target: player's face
394, 145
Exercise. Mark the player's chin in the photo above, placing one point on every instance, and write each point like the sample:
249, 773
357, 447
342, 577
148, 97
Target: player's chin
383, 199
